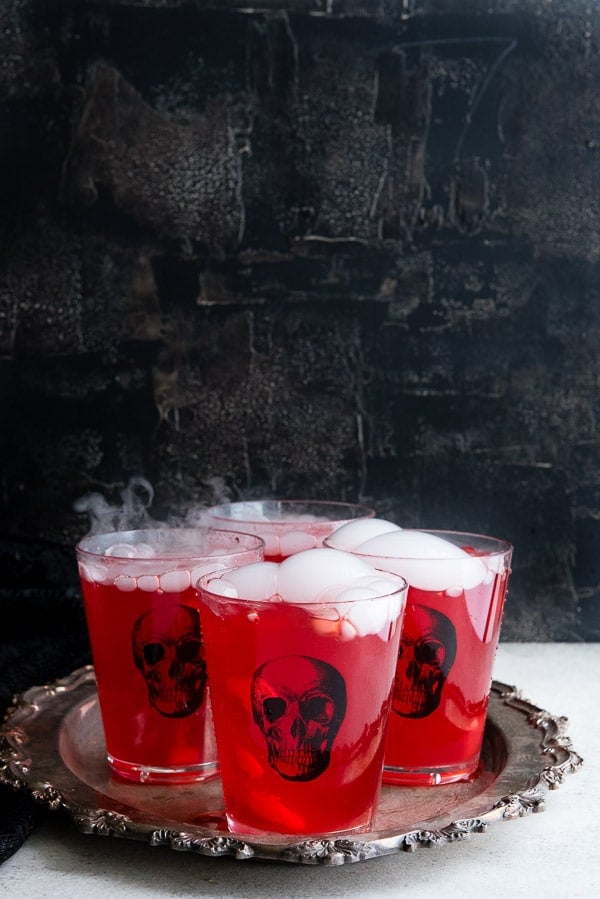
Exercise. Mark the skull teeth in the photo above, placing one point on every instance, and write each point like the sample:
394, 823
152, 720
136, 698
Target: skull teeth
298, 763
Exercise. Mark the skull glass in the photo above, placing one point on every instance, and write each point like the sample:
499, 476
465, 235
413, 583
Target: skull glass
147, 647
301, 694
287, 526
457, 587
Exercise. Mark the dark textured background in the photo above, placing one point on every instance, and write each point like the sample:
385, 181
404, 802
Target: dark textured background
327, 249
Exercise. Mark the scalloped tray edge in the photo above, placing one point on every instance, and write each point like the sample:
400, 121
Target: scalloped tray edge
17, 769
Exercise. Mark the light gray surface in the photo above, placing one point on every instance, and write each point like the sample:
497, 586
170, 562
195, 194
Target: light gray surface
554, 854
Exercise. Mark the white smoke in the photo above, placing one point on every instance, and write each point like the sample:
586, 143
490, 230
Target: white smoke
131, 514
136, 500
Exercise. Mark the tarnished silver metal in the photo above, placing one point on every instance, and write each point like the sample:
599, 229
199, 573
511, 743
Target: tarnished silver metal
52, 745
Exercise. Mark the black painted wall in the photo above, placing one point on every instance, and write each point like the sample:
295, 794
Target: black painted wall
326, 249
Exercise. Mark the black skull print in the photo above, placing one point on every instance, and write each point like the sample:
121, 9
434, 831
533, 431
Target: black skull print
167, 650
427, 653
298, 703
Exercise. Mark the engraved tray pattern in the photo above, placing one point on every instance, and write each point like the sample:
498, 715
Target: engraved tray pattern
52, 745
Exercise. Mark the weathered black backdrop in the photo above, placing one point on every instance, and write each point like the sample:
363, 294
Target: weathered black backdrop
325, 249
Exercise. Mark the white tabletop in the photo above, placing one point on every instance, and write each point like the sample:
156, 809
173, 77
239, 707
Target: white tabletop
554, 854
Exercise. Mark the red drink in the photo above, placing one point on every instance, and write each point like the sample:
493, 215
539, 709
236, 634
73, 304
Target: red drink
301, 704
153, 715
146, 641
447, 651
442, 684
287, 526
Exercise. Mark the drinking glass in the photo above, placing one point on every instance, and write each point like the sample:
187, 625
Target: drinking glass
301, 690
287, 526
457, 588
147, 647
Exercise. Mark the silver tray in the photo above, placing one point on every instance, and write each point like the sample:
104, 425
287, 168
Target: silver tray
52, 745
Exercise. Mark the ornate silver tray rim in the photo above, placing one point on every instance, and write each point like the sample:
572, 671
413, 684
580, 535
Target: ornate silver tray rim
528, 749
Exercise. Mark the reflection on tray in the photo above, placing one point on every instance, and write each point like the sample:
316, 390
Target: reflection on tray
52, 744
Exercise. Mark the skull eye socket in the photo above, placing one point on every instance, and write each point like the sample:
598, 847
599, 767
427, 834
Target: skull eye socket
317, 708
430, 653
153, 653
189, 651
274, 708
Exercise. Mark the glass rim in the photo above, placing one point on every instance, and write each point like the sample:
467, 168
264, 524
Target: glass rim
275, 598
337, 508
497, 546
240, 542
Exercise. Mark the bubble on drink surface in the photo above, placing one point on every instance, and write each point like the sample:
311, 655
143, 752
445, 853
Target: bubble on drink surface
375, 603
199, 571
120, 551
344, 596
307, 575
349, 536
86, 572
175, 581
347, 631
257, 581
96, 573
346, 599
380, 582
363, 613
220, 586
125, 583
149, 583
427, 561
496, 564
130, 551
295, 542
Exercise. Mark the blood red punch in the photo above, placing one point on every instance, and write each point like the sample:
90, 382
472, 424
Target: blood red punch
457, 587
301, 660
286, 526
147, 647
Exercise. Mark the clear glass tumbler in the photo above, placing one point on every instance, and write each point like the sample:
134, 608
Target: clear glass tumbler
287, 526
457, 587
147, 647
301, 688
